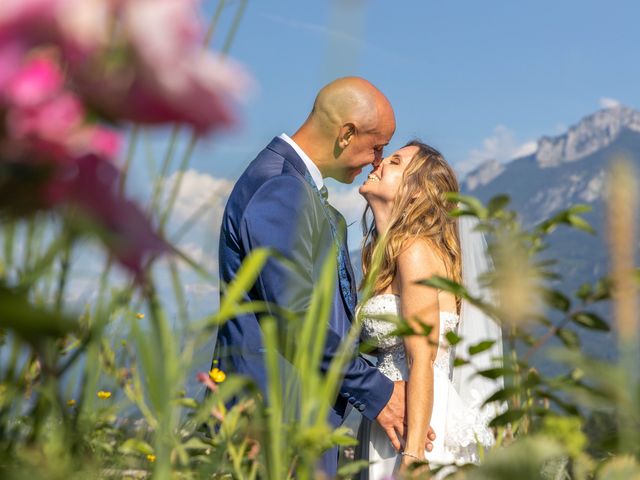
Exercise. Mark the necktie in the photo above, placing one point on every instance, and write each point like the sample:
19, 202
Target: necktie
338, 227
324, 193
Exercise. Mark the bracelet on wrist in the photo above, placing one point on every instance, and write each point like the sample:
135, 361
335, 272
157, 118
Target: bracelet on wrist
412, 455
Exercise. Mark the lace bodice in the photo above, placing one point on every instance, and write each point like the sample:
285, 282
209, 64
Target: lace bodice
378, 325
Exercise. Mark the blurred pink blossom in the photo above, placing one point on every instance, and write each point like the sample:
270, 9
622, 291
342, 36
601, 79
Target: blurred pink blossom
154, 71
54, 120
11, 57
103, 141
36, 81
172, 78
78, 26
205, 379
68, 65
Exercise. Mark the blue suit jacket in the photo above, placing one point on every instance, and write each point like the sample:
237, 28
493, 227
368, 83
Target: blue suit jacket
274, 204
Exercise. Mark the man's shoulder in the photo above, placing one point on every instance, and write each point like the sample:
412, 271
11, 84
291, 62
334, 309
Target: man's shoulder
269, 171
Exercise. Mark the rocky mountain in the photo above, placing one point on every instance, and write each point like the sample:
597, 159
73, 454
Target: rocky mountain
564, 170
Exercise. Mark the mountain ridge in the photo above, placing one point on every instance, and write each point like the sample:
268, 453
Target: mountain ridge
590, 135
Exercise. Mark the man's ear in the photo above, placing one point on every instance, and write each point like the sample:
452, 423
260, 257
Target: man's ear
346, 135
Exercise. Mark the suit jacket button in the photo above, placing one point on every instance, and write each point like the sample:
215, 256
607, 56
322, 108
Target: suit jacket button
352, 399
362, 407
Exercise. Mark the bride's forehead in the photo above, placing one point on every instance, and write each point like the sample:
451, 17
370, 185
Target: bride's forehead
406, 153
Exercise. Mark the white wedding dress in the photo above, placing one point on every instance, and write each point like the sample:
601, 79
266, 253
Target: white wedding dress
461, 427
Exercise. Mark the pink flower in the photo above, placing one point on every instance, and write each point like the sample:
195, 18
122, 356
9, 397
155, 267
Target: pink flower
39, 79
103, 142
11, 55
171, 77
205, 379
54, 121
79, 26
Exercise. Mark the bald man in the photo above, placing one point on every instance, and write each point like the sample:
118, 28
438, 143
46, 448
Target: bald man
280, 202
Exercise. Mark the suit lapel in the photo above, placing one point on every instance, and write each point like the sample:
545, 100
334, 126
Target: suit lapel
336, 221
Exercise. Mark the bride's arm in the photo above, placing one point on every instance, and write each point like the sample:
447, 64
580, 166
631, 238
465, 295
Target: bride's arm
420, 307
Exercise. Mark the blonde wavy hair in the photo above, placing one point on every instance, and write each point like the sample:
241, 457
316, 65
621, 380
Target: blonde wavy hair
420, 210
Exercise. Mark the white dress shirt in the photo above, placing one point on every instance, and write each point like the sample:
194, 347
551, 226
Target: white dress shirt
313, 169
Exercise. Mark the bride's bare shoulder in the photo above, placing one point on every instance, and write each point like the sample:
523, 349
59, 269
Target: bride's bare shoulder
419, 257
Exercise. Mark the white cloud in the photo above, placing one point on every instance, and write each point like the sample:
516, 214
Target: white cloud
525, 149
198, 190
200, 255
501, 145
201, 289
608, 102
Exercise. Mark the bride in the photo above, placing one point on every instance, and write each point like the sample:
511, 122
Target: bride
413, 237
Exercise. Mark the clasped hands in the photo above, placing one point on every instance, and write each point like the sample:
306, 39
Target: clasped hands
392, 418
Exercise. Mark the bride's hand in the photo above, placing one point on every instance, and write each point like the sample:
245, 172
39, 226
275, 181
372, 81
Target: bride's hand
431, 437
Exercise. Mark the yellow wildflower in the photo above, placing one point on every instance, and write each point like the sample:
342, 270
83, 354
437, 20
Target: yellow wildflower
151, 457
140, 315
103, 394
71, 402
217, 375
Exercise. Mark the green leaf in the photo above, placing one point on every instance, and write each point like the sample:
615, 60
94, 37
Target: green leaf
502, 395
134, 445
195, 443
557, 300
471, 204
187, 403
494, 373
445, 284
584, 291
507, 417
458, 362
452, 338
602, 290
580, 208
481, 347
351, 468
245, 278
580, 223
31, 322
568, 337
497, 203
341, 437
590, 320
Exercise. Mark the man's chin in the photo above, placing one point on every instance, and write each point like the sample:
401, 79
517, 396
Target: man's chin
352, 175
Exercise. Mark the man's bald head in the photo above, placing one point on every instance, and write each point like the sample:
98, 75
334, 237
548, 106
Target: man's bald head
351, 121
351, 99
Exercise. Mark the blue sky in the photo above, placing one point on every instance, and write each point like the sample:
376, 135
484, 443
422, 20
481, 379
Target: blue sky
455, 71
478, 80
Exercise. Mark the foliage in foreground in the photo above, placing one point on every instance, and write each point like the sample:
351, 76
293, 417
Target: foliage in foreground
77, 403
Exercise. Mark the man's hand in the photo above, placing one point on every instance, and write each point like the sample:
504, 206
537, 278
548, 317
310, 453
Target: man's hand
391, 417
393, 421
